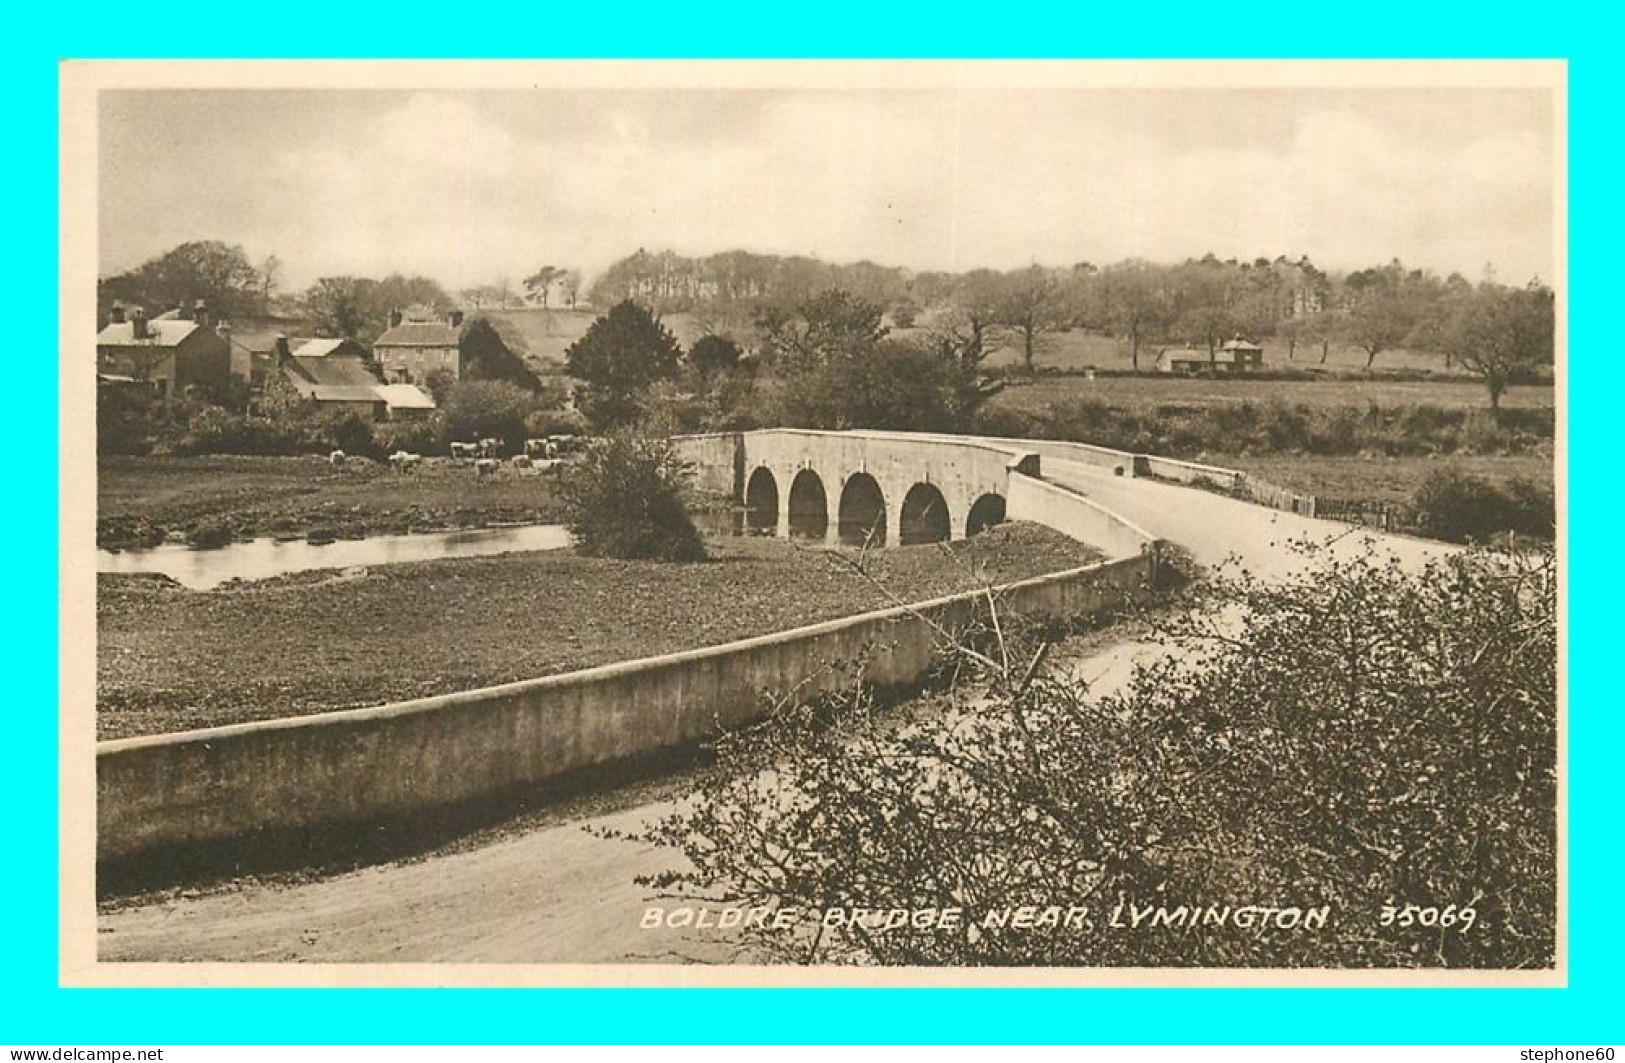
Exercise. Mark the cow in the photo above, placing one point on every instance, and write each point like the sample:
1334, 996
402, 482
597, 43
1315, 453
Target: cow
536, 448
484, 467
550, 465
336, 458
403, 460
465, 450
490, 448
521, 461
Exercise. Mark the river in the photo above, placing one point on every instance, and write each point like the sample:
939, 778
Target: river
263, 558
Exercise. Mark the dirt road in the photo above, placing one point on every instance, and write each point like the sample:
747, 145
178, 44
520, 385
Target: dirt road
560, 894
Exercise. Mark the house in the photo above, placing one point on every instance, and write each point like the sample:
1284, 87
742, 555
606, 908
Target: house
335, 374
1182, 360
409, 351
169, 354
1239, 355
1235, 356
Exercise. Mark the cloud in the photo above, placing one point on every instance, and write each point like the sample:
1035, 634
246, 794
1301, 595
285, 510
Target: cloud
467, 187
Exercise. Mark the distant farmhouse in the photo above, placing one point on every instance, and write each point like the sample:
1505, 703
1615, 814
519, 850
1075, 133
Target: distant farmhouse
170, 353
1235, 356
410, 350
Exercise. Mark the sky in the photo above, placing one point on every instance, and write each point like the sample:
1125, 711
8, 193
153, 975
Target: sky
470, 187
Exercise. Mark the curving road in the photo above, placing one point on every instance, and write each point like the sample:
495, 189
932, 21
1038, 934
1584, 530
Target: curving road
559, 894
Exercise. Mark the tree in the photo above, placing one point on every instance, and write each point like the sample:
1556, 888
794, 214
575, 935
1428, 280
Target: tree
270, 278
481, 409
538, 284
619, 356
624, 498
1132, 305
1030, 305
492, 349
340, 307
1358, 737
217, 273
1500, 333
359, 307
713, 356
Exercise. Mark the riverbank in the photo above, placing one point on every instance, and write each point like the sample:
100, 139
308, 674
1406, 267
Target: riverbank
172, 659
142, 501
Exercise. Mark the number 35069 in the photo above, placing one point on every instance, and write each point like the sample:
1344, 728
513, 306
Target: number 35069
1450, 917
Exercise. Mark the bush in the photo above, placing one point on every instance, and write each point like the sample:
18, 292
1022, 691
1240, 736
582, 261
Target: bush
1460, 507
554, 422
624, 498
341, 430
212, 430
421, 435
494, 409
127, 420
1357, 737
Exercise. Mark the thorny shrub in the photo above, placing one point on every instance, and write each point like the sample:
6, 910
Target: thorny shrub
1361, 736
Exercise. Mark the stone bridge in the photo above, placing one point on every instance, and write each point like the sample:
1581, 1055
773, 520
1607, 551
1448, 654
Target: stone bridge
881, 488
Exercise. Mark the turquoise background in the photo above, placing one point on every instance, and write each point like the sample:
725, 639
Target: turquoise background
33, 1010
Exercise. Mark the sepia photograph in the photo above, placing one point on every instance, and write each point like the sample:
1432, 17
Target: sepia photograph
814, 523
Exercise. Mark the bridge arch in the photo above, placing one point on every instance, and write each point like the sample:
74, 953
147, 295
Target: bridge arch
924, 518
761, 503
985, 512
809, 506
863, 511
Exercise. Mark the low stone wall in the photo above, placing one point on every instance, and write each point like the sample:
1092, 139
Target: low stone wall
1188, 472
198, 788
1121, 461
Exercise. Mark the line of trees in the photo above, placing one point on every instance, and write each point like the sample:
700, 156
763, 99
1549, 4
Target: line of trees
828, 362
1502, 334
1201, 302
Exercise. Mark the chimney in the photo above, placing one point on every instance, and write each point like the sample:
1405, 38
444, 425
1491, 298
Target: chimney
200, 313
283, 354
117, 315
138, 324
395, 317
456, 319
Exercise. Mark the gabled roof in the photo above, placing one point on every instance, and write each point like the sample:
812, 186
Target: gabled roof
321, 348
405, 397
331, 372
419, 334
1239, 344
161, 332
338, 392
395, 396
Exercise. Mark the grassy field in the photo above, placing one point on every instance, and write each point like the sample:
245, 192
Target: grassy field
170, 659
1143, 392
140, 499
1381, 479
547, 334
1078, 349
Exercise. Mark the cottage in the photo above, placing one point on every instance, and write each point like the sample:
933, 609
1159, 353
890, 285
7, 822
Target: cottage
169, 354
1241, 355
409, 351
1235, 356
334, 373
1182, 360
